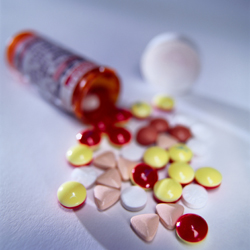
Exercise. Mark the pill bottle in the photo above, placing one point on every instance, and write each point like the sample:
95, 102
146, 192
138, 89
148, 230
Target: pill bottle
62, 77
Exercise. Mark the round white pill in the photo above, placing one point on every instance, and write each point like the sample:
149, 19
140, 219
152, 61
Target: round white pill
133, 198
85, 175
171, 61
194, 196
132, 152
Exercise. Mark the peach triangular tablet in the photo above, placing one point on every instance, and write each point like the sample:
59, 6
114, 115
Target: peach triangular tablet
165, 141
105, 197
110, 178
105, 160
145, 225
125, 167
169, 214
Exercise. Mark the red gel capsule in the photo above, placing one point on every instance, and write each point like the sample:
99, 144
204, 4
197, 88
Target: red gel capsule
181, 133
119, 136
161, 125
144, 176
122, 115
100, 126
146, 136
91, 138
191, 228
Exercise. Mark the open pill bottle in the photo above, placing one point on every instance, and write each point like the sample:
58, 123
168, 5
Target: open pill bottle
62, 77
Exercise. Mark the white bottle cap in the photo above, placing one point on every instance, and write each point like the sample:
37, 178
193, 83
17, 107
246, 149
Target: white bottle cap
171, 61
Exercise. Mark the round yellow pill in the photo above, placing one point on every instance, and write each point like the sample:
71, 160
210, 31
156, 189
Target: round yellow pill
167, 190
79, 155
141, 110
164, 103
181, 172
156, 157
180, 153
71, 194
208, 177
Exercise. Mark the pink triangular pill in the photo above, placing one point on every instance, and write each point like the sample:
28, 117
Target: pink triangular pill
110, 178
105, 160
125, 167
165, 141
145, 225
169, 214
105, 197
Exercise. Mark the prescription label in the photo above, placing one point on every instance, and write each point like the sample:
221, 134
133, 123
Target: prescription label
54, 70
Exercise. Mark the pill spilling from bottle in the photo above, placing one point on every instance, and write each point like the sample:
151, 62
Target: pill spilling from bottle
155, 147
90, 92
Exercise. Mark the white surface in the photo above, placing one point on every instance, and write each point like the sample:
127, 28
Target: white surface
35, 136
201, 131
198, 147
182, 120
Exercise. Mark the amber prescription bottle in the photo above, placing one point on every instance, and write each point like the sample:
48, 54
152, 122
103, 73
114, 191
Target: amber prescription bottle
62, 77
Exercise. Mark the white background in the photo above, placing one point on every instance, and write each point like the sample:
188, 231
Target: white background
35, 136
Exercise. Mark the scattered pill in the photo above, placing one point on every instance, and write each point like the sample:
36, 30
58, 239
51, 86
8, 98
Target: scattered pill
141, 110
145, 225
160, 124
79, 155
198, 147
91, 138
165, 141
146, 136
105, 160
169, 214
171, 62
156, 157
119, 136
194, 196
144, 176
167, 190
180, 153
100, 126
181, 172
105, 197
85, 175
208, 177
110, 178
134, 198
191, 228
181, 133
125, 167
164, 103
71, 194
121, 116
132, 151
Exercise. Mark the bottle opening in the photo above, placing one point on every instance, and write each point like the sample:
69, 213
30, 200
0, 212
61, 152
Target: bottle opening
98, 105
96, 95
90, 103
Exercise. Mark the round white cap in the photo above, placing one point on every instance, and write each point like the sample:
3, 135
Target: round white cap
171, 61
